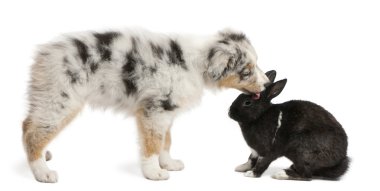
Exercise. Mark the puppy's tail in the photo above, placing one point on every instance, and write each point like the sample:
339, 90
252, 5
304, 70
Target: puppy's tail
334, 172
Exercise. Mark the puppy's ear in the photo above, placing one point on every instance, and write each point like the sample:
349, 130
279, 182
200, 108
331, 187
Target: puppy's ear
271, 75
220, 61
275, 89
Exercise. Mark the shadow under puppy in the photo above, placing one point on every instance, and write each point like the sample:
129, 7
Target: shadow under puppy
302, 131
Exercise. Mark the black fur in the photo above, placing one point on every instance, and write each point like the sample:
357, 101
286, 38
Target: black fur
128, 70
175, 55
94, 67
240, 57
103, 42
82, 50
224, 42
155, 104
211, 53
309, 135
167, 104
64, 95
134, 45
235, 37
157, 50
73, 76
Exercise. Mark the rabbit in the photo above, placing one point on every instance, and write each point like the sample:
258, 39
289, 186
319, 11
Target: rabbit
302, 131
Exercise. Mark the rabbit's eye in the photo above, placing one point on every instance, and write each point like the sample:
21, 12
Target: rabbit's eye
247, 103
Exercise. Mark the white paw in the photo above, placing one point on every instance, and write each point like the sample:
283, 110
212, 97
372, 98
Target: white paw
172, 165
280, 175
243, 167
250, 173
42, 173
46, 176
156, 174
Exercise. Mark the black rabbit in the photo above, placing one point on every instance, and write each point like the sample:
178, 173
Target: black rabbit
302, 131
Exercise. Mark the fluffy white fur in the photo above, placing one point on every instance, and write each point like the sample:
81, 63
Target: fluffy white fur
151, 75
42, 172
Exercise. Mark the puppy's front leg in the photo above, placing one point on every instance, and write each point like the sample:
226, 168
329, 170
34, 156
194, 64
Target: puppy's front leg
152, 133
166, 161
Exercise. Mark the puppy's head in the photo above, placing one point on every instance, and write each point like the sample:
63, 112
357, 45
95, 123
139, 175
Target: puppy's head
233, 63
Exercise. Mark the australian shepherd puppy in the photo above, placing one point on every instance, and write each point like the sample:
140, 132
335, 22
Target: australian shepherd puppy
149, 75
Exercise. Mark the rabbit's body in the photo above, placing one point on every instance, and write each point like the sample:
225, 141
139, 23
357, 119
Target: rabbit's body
302, 131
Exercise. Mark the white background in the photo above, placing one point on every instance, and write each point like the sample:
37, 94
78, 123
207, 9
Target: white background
328, 50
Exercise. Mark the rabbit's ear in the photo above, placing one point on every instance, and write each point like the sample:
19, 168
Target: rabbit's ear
271, 75
275, 89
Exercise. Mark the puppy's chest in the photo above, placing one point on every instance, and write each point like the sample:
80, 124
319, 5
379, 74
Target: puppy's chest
187, 91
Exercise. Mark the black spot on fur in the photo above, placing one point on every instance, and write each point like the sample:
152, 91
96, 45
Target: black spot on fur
153, 69
211, 53
128, 74
82, 50
157, 50
73, 76
240, 57
62, 106
103, 43
167, 105
94, 67
134, 45
65, 60
176, 55
224, 42
64, 95
161, 105
235, 36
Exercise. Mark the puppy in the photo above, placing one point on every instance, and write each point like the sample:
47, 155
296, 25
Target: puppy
149, 75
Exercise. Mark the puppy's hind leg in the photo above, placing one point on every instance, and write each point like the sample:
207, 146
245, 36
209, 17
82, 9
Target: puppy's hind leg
36, 136
166, 161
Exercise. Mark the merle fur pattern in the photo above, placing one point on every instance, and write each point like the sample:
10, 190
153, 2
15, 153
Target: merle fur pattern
152, 76
302, 131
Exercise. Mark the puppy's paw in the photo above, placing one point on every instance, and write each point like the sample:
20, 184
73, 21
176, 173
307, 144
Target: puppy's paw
46, 176
156, 173
281, 175
42, 173
243, 167
250, 173
172, 165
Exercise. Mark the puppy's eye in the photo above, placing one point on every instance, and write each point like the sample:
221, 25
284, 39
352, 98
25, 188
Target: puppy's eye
245, 73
